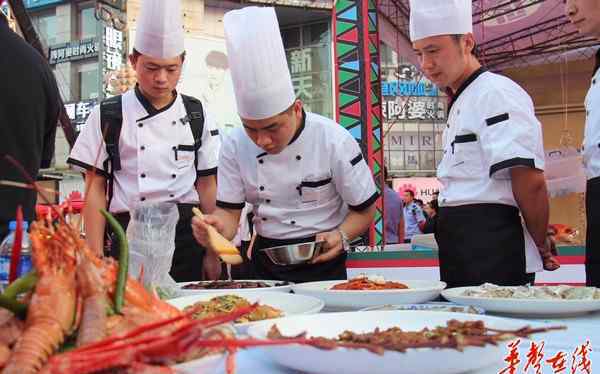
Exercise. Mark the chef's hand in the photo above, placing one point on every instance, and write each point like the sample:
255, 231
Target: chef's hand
332, 247
199, 226
211, 266
549, 253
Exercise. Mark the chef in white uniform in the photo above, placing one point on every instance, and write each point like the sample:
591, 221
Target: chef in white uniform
160, 158
585, 15
303, 173
493, 162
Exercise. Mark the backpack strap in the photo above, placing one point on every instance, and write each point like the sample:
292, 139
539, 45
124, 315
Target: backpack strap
195, 117
111, 121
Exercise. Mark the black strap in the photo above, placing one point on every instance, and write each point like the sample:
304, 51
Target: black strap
195, 117
111, 121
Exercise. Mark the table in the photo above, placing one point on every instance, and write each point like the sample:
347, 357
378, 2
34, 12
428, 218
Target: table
579, 329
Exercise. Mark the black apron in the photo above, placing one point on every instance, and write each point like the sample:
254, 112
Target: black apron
188, 256
265, 269
592, 243
481, 243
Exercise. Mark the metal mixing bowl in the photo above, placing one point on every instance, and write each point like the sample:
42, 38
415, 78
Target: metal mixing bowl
293, 254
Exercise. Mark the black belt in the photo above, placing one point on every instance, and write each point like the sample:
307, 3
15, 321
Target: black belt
265, 269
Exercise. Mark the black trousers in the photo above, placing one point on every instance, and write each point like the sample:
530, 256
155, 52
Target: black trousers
265, 269
481, 243
592, 243
188, 256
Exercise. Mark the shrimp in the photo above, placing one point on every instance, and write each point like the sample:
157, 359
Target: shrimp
51, 311
93, 292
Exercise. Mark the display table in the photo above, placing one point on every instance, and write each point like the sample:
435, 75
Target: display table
424, 265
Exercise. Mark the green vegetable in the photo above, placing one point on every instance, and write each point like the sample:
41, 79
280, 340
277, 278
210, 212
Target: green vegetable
19, 309
21, 285
123, 259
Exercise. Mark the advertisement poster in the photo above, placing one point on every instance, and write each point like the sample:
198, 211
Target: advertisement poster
423, 188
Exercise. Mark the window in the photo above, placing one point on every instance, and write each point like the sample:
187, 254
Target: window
308, 50
45, 25
86, 21
88, 81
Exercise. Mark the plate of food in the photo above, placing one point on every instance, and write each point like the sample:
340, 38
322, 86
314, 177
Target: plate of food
429, 307
391, 341
542, 301
366, 291
271, 305
245, 286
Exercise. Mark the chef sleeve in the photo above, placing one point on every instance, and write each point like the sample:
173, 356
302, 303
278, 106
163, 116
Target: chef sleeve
208, 153
352, 176
230, 187
511, 135
89, 151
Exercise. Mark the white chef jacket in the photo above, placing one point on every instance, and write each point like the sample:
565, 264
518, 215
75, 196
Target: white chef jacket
591, 142
154, 167
306, 189
491, 128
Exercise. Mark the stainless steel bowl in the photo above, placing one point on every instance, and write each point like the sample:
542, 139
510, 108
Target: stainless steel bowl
293, 254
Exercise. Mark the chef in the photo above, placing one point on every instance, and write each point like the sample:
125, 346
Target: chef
304, 174
152, 144
493, 162
585, 15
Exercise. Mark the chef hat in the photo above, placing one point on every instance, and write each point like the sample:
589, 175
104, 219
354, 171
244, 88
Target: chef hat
261, 78
440, 17
159, 31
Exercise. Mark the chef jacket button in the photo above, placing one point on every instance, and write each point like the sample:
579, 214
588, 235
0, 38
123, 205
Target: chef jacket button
262, 188
264, 218
261, 161
143, 175
594, 81
174, 123
293, 222
174, 148
173, 176
171, 195
143, 199
140, 124
268, 201
298, 157
143, 148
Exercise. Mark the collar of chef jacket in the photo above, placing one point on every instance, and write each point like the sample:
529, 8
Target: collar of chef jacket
591, 142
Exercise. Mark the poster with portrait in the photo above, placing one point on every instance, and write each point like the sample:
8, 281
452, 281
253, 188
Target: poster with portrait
206, 76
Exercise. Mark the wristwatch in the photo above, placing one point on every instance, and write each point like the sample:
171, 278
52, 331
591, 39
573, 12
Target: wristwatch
345, 241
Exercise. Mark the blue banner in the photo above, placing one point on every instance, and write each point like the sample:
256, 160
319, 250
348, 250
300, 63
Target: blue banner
29, 4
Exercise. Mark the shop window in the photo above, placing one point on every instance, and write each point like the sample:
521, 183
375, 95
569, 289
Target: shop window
88, 81
45, 25
308, 50
86, 21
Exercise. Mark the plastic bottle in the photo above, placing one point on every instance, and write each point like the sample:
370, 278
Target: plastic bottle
6, 251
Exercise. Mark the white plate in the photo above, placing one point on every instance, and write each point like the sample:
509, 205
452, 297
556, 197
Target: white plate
183, 292
522, 307
289, 304
206, 365
429, 307
419, 291
360, 361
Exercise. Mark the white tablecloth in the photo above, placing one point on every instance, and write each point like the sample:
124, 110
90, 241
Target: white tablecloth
579, 330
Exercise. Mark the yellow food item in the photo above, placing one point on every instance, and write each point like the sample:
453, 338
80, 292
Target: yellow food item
227, 303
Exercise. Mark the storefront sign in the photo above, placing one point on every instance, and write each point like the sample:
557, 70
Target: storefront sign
79, 112
424, 188
412, 109
399, 88
29, 4
112, 55
73, 51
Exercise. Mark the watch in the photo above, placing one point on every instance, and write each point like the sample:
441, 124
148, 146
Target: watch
345, 241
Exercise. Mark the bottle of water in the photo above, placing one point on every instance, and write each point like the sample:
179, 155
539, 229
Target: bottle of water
6, 251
